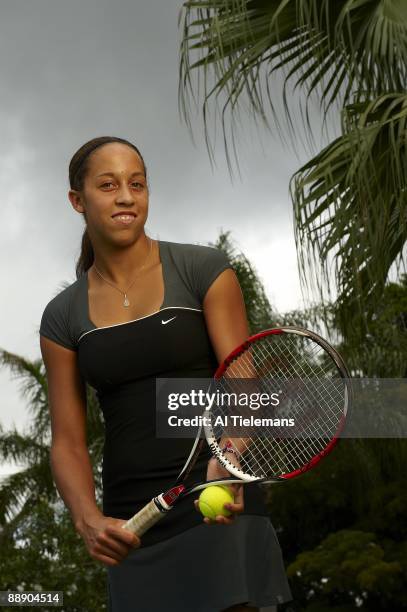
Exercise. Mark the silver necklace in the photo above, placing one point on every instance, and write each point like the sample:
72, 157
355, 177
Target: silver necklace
126, 302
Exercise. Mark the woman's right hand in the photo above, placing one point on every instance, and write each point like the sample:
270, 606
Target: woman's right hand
106, 540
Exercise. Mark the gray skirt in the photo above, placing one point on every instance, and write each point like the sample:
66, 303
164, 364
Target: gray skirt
207, 568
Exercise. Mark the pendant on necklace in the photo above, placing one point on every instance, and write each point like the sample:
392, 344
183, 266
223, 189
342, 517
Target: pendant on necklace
126, 301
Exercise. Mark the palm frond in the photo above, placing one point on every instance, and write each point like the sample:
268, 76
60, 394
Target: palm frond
25, 487
339, 49
19, 448
32, 372
9, 527
350, 205
33, 386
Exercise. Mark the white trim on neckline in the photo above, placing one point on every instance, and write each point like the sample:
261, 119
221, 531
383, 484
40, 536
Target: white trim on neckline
139, 319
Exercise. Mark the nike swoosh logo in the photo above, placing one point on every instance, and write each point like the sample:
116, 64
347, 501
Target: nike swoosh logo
168, 320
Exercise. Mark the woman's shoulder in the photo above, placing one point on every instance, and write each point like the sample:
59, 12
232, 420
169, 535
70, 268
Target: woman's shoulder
198, 264
55, 319
63, 296
194, 252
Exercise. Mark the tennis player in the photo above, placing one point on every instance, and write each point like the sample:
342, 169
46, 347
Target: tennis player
140, 309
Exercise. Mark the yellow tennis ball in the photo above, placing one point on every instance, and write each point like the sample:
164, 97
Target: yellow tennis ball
211, 501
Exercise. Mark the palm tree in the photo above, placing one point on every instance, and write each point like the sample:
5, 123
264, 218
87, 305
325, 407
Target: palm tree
350, 199
39, 548
20, 491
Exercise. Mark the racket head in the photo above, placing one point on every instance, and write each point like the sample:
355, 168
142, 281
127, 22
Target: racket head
288, 354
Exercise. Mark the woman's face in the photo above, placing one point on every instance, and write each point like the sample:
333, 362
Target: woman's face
114, 183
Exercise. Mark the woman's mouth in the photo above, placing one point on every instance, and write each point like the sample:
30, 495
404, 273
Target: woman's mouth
126, 219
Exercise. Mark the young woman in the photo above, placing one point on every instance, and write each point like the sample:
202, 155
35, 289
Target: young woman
141, 309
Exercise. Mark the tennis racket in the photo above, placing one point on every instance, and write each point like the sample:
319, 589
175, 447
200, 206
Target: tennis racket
316, 397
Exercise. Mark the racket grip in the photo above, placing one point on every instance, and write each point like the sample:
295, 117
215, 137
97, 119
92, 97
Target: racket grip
153, 511
143, 520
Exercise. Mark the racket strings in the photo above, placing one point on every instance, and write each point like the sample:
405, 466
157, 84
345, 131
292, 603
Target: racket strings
312, 395
320, 386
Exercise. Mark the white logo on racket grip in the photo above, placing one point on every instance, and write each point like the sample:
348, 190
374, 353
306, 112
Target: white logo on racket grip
168, 320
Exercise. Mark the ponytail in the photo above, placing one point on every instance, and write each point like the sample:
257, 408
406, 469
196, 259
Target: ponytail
86, 256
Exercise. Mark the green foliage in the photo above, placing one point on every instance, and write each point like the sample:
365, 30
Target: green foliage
359, 489
352, 567
360, 484
260, 313
343, 51
44, 553
350, 208
382, 350
39, 547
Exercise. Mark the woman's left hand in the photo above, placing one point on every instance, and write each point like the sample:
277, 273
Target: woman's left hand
215, 472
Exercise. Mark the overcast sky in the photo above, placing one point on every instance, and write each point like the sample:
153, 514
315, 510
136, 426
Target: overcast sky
71, 71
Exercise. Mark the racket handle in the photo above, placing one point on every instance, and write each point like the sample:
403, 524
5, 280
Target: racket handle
145, 518
148, 516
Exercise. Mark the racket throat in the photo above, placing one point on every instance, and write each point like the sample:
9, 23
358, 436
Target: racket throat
165, 501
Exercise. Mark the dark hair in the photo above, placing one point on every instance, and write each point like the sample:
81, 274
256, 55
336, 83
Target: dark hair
78, 167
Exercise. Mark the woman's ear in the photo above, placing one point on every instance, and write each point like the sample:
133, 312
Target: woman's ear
76, 200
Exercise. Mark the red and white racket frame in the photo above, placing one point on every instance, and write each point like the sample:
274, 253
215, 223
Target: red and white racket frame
343, 372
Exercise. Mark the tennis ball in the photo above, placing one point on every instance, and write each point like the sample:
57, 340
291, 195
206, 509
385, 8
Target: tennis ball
211, 501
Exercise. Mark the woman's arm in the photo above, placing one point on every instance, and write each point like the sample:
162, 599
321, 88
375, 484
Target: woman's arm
70, 462
226, 322
225, 314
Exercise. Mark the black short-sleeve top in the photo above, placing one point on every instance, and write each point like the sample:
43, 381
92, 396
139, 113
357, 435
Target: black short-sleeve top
122, 362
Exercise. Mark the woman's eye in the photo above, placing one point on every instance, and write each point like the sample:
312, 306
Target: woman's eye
135, 184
